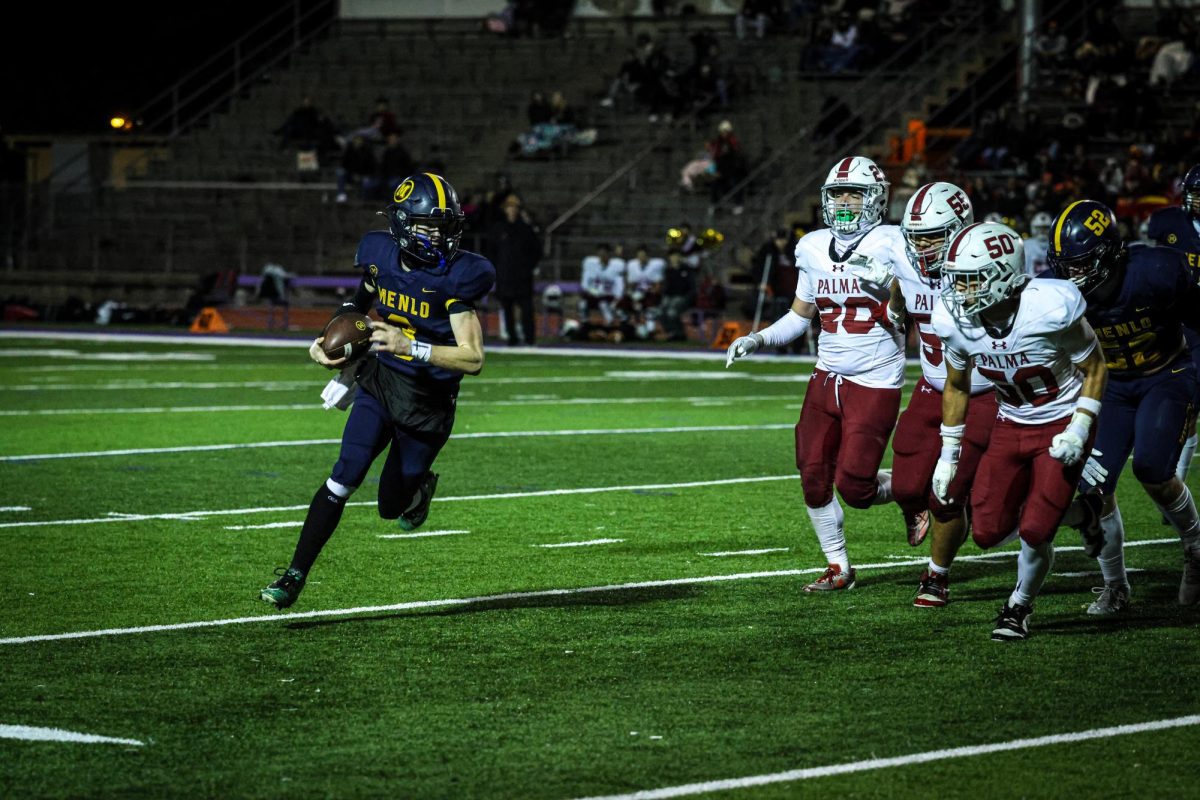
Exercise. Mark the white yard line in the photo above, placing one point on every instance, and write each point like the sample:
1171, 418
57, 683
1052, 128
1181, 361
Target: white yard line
31, 734
748, 552
139, 451
969, 751
203, 513
588, 543
420, 534
469, 601
15, 508
295, 524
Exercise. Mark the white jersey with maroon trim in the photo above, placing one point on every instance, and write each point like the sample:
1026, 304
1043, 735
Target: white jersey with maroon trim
1033, 366
643, 277
921, 296
856, 340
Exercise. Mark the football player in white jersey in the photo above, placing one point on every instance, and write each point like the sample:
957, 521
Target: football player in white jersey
1030, 339
1038, 244
643, 280
599, 275
934, 214
853, 397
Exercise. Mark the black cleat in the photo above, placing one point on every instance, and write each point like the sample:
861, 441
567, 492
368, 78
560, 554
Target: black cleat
1012, 624
415, 517
284, 590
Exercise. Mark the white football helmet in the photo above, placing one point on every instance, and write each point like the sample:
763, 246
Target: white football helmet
1039, 226
984, 266
933, 215
854, 173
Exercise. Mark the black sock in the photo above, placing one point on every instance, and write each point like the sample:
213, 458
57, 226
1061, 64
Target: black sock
323, 516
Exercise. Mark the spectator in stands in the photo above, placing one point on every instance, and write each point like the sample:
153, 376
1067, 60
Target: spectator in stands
730, 164
273, 286
538, 111
679, 295
844, 48
396, 163
359, 167
759, 13
515, 248
1050, 46
302, 128
628, 80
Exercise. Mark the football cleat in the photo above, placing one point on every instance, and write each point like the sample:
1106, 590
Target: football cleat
918, 528
1113, 598
1189, 587
1012, 623
934, 590
415, 517
832, 579
284, 590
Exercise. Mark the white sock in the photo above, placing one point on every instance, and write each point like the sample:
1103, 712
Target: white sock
1033, 565
883, 487
1185, 457
1182, 516
828, 522
937, 570
1112, 554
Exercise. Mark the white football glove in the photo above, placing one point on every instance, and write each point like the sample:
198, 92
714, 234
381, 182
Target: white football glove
741, 348
1093, 471
870, 269
339, 392
943, 474
897, 318
1067, 447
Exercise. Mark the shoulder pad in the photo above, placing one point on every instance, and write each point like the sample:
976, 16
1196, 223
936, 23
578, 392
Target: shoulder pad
474, 276
373, 248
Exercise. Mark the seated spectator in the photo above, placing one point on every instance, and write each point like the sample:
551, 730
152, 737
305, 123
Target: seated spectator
302, 128
1050, 46
643, 280
701, 169
844, 48
679, 295
628, 79
560, 133
730, 163
380, 124
358, 166
396, 163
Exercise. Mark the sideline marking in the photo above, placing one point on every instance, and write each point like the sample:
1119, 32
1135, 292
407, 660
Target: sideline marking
138, 451
420, 534
580, 544
199, 515
749, 552
31, 734
900, 761
468, 601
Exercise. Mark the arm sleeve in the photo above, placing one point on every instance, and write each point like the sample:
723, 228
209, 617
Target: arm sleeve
363, 300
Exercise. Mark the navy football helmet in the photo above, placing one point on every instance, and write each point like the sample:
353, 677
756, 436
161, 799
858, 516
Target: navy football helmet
1191, 192
426, 220
1085, 244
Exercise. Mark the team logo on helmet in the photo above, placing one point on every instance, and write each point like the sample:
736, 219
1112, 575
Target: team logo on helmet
374, 270
1172, 238
403, 191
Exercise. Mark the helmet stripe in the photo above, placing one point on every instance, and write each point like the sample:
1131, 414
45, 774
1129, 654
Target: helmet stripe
959, 239
843, 170
1058, 228
437, 182
917, 201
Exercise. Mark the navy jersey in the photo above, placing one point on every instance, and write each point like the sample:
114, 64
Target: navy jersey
1173, 227
1140, 327
420, 301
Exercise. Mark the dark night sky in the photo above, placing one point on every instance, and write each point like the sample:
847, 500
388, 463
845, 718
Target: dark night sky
67, 67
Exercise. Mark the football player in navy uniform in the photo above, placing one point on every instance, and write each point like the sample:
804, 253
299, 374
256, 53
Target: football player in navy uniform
1139, 298
426, 290
1178, 227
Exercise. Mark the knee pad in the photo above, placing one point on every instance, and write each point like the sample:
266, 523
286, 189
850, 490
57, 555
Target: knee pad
1152, 470
857, 492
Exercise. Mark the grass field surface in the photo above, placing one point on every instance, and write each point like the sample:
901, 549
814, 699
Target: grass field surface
606, 601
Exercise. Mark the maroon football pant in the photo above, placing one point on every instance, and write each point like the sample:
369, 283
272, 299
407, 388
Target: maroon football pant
917, 444
1019, 483
840, 438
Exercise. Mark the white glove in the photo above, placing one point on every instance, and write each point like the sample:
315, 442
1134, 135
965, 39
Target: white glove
1093, 471
870, 269
943, 474
741, 348
897, 318
339, 392
947, 463
1067, 446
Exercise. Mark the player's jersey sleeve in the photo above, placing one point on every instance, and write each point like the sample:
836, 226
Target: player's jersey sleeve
476, 277
1078, 340
1157, 229
946, 331
805, 255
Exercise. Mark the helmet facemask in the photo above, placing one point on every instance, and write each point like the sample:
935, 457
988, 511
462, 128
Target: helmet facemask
1191, 202
1087, 271
970, 292
431, 240
927, 249
851, 215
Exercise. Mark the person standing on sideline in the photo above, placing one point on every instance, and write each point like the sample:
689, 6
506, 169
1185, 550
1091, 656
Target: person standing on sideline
853, 397
515, 248
426, 289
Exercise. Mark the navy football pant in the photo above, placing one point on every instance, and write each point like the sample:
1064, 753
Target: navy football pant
1148, 417
368, 432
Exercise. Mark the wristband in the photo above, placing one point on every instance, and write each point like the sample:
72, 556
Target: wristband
420, 350
1088, 404
952, 436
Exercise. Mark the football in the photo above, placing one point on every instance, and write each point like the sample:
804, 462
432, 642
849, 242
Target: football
347, 336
